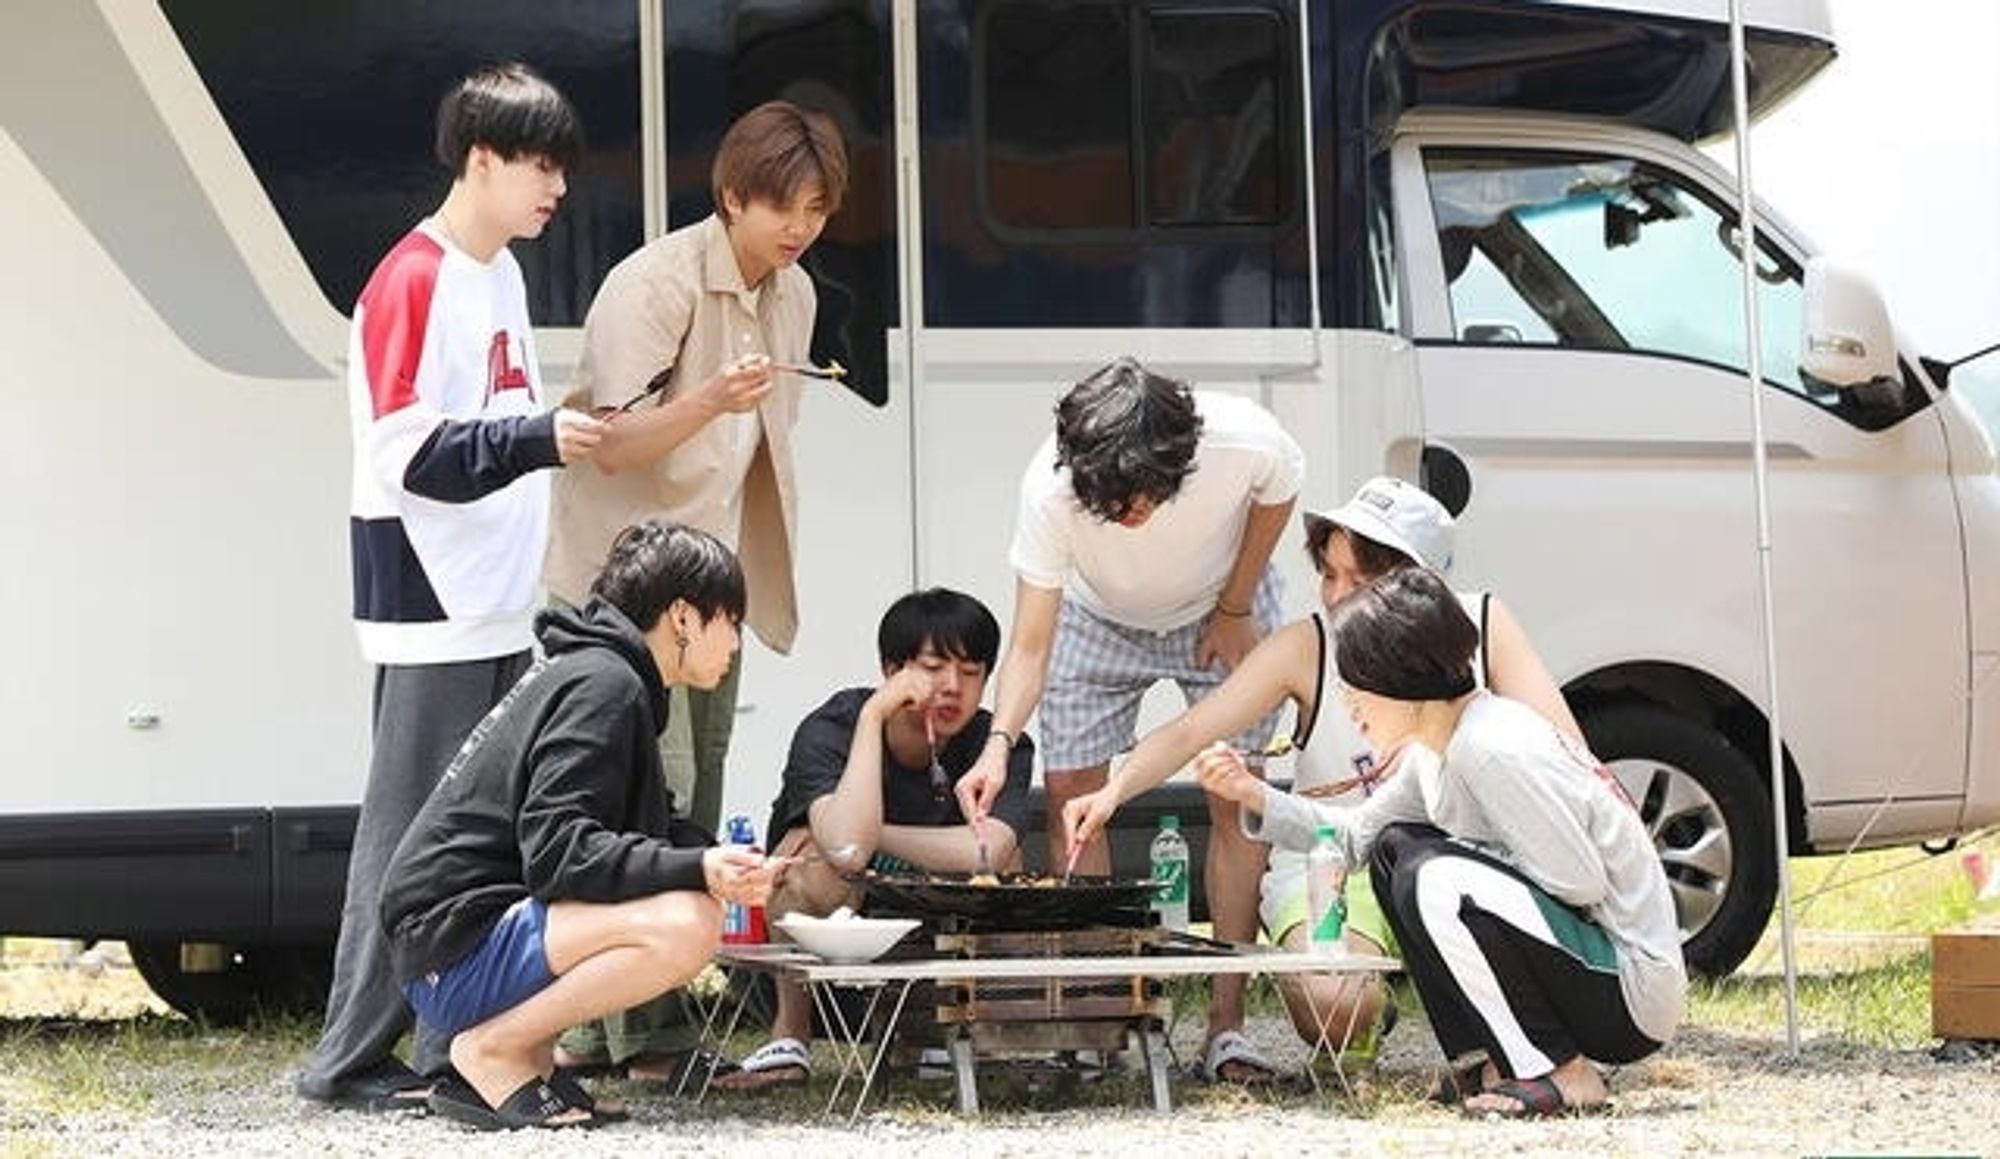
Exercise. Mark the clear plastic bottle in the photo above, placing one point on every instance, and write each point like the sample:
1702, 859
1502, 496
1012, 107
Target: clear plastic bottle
1170, 869
741, 924
1326, 890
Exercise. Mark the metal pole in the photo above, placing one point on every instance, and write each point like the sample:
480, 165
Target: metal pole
1760, 472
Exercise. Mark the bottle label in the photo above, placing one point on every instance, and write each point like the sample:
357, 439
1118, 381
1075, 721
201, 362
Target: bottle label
1172, 874
1331, 923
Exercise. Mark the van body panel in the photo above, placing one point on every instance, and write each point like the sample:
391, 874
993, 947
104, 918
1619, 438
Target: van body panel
1645, 460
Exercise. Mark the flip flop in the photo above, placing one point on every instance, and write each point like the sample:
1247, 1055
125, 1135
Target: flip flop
779, 1062
533, 1104
565, 1084
1535, 1098
692, 1063
1455, 1085
1231, 1048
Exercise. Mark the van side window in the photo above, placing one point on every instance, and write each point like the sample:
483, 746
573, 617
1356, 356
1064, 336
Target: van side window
1062, 148
333, 107
1608, 253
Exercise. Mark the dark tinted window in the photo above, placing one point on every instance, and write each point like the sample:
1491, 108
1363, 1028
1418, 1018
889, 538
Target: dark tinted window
1058, 89
1212, 118
1062, 148
334, 105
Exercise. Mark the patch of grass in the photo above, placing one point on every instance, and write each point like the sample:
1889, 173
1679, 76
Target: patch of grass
136, 1065
1902, 891
1886, 1005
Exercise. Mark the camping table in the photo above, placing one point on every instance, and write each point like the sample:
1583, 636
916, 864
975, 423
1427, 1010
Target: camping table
891, 981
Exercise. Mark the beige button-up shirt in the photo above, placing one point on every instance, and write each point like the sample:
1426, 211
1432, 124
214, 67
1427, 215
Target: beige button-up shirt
680, 302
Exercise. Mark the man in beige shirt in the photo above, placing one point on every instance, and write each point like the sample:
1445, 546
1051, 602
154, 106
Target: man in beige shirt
682, 348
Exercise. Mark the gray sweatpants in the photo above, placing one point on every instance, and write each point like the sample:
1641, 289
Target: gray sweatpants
422, 714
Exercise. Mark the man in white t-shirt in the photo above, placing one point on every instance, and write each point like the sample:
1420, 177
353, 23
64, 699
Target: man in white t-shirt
1142, 552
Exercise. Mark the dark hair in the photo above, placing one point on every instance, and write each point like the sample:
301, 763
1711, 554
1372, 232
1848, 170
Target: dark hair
952, 623
1405, 636
771, 152
654, 563
1374, 559
512, 110
1126, 434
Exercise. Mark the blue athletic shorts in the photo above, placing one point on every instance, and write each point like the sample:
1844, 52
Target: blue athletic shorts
508, 967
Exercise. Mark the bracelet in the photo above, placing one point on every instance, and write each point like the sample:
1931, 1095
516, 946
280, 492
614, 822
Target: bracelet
1231, 612
1012, 738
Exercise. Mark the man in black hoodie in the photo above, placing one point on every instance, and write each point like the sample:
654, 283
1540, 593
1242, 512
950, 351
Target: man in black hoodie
544, 882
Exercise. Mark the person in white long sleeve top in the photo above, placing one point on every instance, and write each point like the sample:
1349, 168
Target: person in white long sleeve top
1535, 921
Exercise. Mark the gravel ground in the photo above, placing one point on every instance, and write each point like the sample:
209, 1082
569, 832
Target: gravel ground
1710, 1092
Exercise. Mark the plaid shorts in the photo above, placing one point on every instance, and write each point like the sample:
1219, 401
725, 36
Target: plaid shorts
1100, 670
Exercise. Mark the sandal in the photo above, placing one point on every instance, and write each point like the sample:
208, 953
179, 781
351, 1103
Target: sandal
1232, 1049
1455, 1085
533, 1104
779, 1062
674, 1071
1535, 1098
607, 1110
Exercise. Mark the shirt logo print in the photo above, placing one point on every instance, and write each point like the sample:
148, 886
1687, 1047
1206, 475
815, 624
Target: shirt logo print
502, 372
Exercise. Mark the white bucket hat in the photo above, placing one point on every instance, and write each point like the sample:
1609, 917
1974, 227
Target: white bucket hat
1399, 515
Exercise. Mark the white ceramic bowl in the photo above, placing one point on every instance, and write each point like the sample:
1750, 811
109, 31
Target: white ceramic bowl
846, 939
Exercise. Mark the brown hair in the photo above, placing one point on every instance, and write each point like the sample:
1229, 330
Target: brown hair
1374, 559
773, 151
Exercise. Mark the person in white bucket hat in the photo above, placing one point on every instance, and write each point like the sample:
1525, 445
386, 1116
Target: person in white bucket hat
1388, 524
1398, 515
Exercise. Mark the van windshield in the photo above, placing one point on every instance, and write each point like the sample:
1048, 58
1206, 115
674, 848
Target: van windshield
1605, 253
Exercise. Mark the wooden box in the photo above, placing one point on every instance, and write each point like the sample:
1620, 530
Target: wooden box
1965, 983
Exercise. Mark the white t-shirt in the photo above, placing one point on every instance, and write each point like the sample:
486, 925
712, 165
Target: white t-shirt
1165, 573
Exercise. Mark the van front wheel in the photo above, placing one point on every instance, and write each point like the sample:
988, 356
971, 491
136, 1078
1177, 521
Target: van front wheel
1709, 816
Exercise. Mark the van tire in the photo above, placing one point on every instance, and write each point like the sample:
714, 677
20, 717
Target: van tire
252, 979
1706, 809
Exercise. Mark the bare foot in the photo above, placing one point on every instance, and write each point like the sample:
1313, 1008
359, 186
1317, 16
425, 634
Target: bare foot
494, 1074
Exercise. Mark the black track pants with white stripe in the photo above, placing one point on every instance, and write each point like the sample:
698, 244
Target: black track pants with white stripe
1499, 964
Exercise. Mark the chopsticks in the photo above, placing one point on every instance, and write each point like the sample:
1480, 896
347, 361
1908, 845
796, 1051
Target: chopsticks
833, 371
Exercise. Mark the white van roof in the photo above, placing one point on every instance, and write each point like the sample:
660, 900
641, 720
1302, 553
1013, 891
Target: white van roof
1658, 64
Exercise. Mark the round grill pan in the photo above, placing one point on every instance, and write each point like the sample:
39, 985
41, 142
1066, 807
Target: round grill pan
1019, 900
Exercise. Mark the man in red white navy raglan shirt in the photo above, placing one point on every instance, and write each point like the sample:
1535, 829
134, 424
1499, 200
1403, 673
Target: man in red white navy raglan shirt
449, 520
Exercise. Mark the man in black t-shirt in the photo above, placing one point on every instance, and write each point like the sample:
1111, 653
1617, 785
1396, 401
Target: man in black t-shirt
871, 778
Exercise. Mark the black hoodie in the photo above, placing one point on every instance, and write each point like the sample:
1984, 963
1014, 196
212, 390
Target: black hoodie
557, 794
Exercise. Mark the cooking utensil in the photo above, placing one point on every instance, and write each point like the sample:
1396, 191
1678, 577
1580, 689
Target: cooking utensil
940, 781
833, 370
654, 386
1019, 900
985, 855
1069, 866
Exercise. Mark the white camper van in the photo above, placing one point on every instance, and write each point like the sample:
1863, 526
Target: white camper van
1468, 242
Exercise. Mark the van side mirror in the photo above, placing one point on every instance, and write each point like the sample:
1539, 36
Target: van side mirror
1848, 342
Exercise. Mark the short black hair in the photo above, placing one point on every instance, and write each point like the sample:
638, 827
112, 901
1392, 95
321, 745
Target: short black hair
1405, 636
952, 623
654, 563
1126, 434
512, 110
